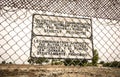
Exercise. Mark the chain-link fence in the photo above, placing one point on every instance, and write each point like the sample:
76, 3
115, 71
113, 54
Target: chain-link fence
61, 32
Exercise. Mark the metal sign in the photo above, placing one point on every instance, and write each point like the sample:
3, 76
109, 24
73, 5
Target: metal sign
61, 26
61, 37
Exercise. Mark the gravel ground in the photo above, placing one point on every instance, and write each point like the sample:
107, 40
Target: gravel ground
56, 71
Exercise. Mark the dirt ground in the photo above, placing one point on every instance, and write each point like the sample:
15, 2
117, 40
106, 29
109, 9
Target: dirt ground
56, 71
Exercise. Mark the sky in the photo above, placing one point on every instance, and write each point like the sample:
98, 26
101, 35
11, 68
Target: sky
15, 36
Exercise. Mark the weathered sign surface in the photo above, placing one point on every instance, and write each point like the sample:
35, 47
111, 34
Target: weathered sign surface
61, 26
61, 37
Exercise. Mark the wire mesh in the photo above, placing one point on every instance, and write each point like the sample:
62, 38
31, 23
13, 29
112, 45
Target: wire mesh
17, 33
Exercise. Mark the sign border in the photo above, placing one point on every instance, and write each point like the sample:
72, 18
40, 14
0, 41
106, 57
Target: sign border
33, 35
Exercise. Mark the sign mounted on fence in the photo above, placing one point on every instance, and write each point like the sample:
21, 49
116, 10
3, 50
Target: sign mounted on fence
61, 37
61, 26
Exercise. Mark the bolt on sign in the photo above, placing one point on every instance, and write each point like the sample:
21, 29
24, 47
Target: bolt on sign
61, 37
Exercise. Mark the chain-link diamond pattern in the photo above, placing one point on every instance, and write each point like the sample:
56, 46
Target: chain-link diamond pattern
18, 36
92, 8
